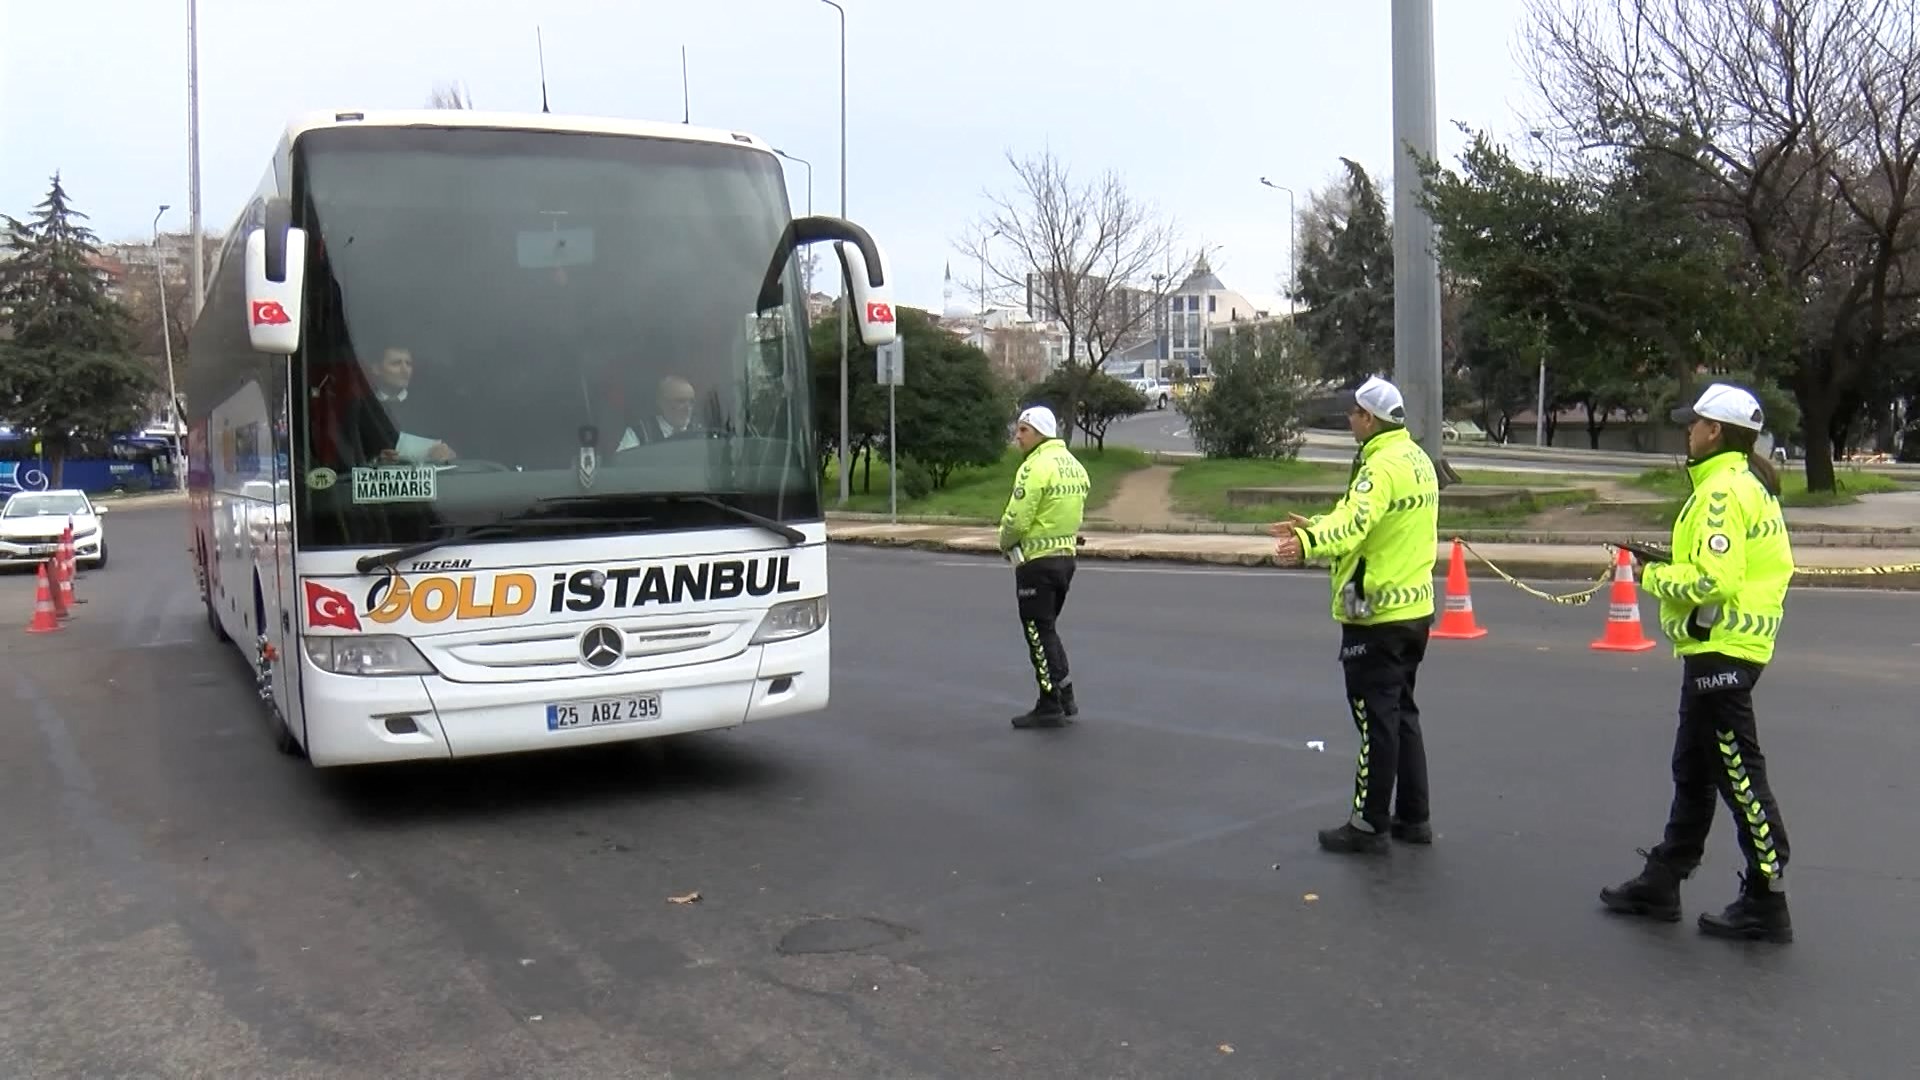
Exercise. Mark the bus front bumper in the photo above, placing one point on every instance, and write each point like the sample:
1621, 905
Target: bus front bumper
354, 721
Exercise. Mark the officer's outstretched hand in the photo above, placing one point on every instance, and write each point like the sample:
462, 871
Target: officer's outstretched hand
1282, 529
1289, 551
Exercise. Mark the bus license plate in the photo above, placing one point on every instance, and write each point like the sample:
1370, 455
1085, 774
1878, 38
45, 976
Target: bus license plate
632, 709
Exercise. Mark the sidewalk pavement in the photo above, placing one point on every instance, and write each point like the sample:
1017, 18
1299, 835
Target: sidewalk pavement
1540, 562
146, 500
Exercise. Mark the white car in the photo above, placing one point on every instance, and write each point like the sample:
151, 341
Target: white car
32, 521
1158, 392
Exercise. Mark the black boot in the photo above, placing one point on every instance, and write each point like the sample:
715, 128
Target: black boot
1349, 839
1759, 914
1412, 832
1067, 704
1655, 893
1046, 713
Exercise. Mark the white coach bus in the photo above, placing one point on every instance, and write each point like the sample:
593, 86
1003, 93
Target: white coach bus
502, 434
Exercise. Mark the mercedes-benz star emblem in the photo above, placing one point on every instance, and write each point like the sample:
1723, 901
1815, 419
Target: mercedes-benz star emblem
601, 647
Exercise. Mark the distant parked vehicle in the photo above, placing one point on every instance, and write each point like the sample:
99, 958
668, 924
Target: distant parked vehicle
1158, 392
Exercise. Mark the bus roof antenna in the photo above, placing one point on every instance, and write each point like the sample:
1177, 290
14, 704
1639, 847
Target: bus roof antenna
541, 46
686, 111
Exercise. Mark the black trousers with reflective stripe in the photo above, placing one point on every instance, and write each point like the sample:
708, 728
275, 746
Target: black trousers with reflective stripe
1041, 585
1717, 750
1382, 663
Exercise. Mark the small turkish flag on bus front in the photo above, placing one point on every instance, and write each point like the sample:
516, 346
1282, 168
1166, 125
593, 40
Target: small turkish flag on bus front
329, 607
269, 313
877, 312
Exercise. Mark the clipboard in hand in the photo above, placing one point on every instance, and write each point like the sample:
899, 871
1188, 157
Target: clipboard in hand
1644, 552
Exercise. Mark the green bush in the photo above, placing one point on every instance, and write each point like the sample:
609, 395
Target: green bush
916, 480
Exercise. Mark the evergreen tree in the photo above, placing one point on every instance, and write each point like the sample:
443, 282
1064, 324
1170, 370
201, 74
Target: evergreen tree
1345, 280
69, 370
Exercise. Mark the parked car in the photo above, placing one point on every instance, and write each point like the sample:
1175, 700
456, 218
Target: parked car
1158, 392
32, 521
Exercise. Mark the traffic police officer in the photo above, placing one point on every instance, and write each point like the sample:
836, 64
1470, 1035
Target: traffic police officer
1383, 538
1722, 597
1039, 533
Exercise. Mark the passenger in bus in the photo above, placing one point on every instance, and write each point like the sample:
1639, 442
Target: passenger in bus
672, 419
392, 377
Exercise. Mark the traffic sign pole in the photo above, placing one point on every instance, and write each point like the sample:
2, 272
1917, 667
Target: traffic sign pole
890, 372
893, 463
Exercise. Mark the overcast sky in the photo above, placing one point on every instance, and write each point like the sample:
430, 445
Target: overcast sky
1191, 103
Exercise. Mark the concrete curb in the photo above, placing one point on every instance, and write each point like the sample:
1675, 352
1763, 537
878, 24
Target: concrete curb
129, 503
1555, 569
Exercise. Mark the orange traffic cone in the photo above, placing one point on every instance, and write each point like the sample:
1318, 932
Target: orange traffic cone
69, 570
1456, 622
56, 583
63, 581
44, 619
1623, 633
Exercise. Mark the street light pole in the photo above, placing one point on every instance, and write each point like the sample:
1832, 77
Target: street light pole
1293, 248
1540, 400
806, 268
1416, 269
984, 241
198, 270
166, 345
846, 297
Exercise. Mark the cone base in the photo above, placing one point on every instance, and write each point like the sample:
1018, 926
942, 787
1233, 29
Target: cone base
1603, 645
1471, 633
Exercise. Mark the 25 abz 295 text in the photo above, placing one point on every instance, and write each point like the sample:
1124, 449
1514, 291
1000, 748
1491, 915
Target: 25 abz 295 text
621, 710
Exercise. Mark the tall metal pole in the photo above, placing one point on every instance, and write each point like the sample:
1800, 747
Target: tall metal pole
1540, 405
1293, 246
1540, 400
166, 345
806, 268
199, 270
1416, 270
846, 298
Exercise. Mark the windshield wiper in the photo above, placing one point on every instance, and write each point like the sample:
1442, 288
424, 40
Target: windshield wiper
366, 564
787, 532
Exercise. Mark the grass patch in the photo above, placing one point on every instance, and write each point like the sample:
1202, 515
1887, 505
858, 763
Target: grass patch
1849, 485
980, 491
1200, 489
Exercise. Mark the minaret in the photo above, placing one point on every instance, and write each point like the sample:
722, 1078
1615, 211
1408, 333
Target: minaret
946, 294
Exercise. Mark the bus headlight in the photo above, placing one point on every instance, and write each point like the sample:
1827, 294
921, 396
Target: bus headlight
795, 618
377, 654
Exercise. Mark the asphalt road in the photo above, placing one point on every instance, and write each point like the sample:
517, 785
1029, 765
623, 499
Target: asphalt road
1164, 430
906, 887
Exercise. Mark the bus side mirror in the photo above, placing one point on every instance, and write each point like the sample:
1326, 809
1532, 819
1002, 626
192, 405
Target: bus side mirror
276, 276
862, 265
871, 290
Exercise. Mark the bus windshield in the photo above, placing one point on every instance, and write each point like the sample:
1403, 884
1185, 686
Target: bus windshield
507, 325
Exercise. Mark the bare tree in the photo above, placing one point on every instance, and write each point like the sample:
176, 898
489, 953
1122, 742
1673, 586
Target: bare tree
450, 96
1802, 118
1019, 354
1084, 255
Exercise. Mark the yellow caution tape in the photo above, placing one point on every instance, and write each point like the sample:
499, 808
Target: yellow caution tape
1575, 599
1858, 571
1569, 599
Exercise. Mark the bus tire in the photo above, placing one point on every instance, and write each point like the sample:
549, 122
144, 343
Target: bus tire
213, 622
283, 739
213, 617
